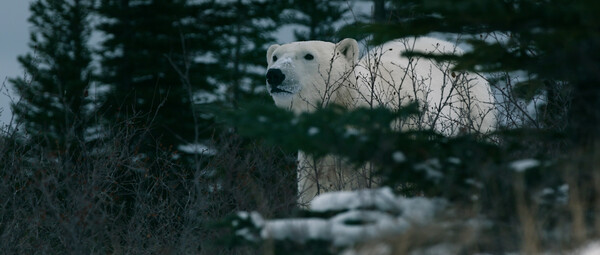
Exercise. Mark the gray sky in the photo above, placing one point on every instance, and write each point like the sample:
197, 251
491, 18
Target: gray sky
14, 35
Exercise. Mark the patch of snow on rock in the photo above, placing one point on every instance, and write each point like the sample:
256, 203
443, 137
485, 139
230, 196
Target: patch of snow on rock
398, 157
382, 199
453, 160
366, 214
298, 230
247, 234
419, 209
255, 217
374, 249
375, 224
431, 167
350, 131
474, 183
313, 131
524, 164
198, 148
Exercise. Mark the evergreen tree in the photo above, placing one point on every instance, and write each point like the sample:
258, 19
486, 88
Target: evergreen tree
379, 12
149, 60
318, 18
245, 30
145, 64
54, 94
242, 31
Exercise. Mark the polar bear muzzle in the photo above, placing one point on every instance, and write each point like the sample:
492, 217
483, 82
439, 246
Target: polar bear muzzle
274, 78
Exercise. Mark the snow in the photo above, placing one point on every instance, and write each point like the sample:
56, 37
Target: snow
254, 217
524, 164
299, 230
247, 234
382, 199
257, 219
243, 215
563, 188
313, 131
378, 224
419, 209
375, 249
94, 133
590, 249
563, 194
366, 214
557, 195
431, 168
442, 248
474, 183
398, 157
453, 160
350, 131
207, 58
197, 148
374, 224
207, 97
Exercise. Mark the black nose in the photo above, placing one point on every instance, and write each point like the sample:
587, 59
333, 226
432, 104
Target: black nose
275, 77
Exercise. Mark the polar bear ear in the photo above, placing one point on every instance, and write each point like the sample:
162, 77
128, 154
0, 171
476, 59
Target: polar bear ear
270, 51
349, 49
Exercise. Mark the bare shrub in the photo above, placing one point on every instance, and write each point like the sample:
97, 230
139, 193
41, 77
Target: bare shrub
102, 196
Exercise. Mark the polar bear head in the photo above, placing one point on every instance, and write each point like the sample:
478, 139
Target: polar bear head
302, 76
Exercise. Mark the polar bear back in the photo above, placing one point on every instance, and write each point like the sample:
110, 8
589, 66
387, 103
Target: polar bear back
451, 102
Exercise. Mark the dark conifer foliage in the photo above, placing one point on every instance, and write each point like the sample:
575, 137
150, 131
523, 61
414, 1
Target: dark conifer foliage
244, 30
317, 17
379, 11
149, 61
55, 91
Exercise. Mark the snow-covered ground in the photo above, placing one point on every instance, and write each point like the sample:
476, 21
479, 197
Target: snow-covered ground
363, 215
363, 219
589, 249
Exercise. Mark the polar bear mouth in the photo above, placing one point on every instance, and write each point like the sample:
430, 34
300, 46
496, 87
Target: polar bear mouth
278, 90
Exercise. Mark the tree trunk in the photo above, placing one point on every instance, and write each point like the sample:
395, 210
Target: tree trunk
379, 14
584, 116
237, 56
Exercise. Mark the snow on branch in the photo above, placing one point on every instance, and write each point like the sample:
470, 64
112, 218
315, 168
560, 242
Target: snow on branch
363, 215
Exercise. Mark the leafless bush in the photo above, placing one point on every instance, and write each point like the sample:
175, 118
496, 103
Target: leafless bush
103, 196
85, 198
246, 176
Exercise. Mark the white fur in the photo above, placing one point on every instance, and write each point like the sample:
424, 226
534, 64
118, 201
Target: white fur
451, 102
314, 82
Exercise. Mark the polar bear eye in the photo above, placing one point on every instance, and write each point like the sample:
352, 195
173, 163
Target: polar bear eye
274, 58
309, 57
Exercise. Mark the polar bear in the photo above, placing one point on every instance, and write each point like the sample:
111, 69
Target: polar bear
303, 76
